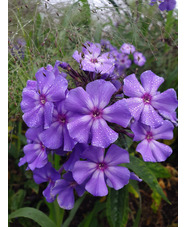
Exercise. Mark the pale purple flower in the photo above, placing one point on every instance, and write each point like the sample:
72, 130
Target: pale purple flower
127, 48
74, 156
150, 149
47, 174
167, 5
35, 152
65, 189
57, 135
89, 113
139, 58
107, 45
39, 96
97, 170
92, 60
146, 103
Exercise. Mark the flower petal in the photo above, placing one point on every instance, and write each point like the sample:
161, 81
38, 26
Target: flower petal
78, 101
102, 134
166, 101
79, 128
132, 87
160, 151
145, 150
116, 155
135, 106
96, 185
100, 92
165, 131
94, 154
118, 176
66, 199
53, 136
34, 118
83, 170
48, 111
118, 113
139, 131
151, 82
149, 116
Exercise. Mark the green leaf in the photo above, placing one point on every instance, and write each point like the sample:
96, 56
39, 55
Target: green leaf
17, 200
91, 217
158, 170
117, 207
34, 214
73, 212
144, 172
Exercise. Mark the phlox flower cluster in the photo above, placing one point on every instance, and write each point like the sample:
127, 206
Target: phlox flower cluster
82, 124
165, 4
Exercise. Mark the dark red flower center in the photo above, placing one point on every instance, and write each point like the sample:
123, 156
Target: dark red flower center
147, 98
62, 119
102, 166
149, 136
96, 113
42, 99
94, 60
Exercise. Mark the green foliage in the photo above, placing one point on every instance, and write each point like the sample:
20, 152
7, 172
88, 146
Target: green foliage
118, 207
33, 214
54, 32
144, 172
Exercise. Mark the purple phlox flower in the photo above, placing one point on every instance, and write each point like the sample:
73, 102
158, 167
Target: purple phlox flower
18, 49
38, 103
65, 189
127, 48
89, 115
57, 135
97, 170
139, 58
106, 45
35, 152
57, 71
47, 174
91, 59
150, 149
133, 176
122, 62
146, 102
75, 155
167, 5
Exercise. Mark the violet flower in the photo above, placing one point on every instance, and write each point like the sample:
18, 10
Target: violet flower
167, 5
127, 48
47, 174
89, 115
139, 58
91, 60
57, 135
65, 189
146, 103
98, 170
35, 152
38, 99
150, 149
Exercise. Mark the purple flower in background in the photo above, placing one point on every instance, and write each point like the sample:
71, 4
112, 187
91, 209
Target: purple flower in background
65, 188
167, 5
139, 59
57, 134
47, 174
98, 170
91, 59
18, 49
89, 115
74, 156
127, 48
39, 96
107, 45
150, 149
35, 152
122, 62
146, 103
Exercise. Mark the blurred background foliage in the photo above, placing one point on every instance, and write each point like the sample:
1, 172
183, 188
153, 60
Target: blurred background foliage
41, 32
